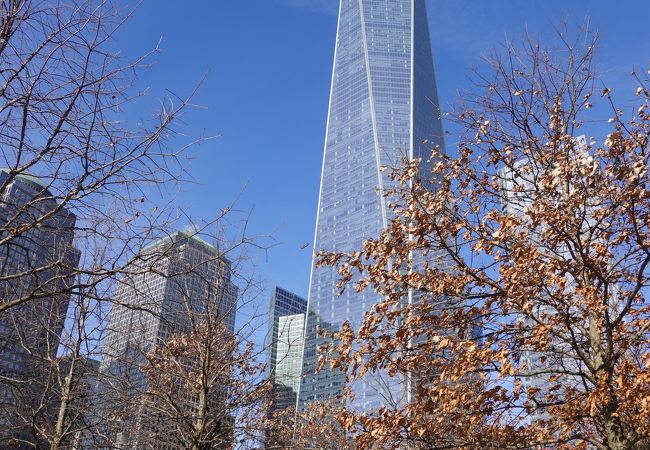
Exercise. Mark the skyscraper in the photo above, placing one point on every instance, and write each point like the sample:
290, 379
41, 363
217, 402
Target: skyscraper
383, 107
37, 265
176, 281
287, 320
520, 192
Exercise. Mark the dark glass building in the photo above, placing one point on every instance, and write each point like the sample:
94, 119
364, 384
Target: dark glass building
285, 342
37, 265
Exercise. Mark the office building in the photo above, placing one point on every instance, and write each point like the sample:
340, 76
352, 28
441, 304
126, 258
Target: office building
175, 281
383, 108
285, 343
37, 265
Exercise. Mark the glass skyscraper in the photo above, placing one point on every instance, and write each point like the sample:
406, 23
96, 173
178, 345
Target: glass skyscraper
383, 107
287, 319
37, 267
520, 193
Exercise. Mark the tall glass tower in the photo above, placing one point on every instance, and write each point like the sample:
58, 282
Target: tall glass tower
383, 106
284, 348
38, 262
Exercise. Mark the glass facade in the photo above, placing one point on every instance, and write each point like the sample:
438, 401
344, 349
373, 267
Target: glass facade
37, 267
383, 107
520, 192
287, 319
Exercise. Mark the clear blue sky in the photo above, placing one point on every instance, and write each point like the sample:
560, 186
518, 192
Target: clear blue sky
268, 65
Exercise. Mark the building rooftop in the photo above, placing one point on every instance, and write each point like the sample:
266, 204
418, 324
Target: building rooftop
180, 235
26, 176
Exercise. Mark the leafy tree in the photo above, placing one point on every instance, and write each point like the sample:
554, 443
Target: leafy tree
538, 236
314, 427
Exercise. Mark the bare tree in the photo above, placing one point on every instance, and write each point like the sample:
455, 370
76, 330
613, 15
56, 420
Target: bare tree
52, 404
82, 190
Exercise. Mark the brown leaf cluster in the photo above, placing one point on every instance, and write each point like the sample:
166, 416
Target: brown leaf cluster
527, 262
207, 387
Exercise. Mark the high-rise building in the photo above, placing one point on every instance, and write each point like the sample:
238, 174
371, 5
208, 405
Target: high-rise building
37, 265
383, 107
285, 343
175, 281
520, 192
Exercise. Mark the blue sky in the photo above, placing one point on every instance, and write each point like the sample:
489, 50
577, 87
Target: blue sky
268, 66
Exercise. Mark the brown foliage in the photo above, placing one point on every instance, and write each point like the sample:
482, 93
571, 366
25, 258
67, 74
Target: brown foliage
539, 238
315, 427
208, 390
